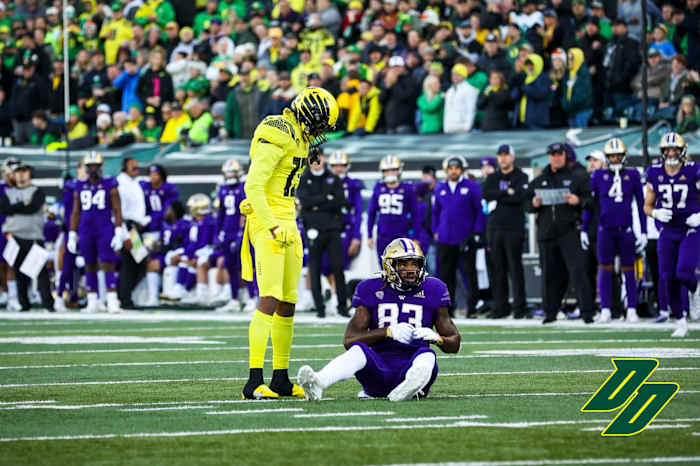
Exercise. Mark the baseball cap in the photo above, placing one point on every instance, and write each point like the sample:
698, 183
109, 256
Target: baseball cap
275, 32
460, 69
556, 147
505, 149
355, 4
52, 10
104, 108
596, 4
465, 24
455, 160
596, 154
396, 60
116, 6
489, 161
491, 37
550, 12
582, 2
314, 76
654, 53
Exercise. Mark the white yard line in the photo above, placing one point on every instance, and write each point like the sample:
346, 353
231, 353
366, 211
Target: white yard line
31, 401
141, 350
653, 426
154, 363
167, 408
347, 414
436, 418
575, 461
257, 411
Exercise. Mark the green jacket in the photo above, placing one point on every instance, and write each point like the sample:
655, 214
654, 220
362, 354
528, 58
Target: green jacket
689, 124
199, 132
232, 116
478, 79
581, 94
431, 113
151, 135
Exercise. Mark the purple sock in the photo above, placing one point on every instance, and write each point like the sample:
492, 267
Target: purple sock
631, 288
112, 280
91, 281
181, 276
190, 281
67, 272
234, 275
605, 287
663, 295
675, 299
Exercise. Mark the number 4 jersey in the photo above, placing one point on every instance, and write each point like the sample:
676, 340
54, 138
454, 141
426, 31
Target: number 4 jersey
678, 192
388, 306
95, 203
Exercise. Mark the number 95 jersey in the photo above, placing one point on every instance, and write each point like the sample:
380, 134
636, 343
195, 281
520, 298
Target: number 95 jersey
678, 192
388, 306
95, 203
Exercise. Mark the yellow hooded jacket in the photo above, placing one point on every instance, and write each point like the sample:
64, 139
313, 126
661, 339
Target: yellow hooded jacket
529, 79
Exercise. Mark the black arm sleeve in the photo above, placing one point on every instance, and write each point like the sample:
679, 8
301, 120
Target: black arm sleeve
34, 206
5, 206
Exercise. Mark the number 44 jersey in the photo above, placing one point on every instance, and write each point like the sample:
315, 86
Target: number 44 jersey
678, 193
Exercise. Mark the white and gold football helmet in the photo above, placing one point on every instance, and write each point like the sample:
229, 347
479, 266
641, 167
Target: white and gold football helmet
391, 162
399, 250
673, 141
232, 171
613, 147
198, 205
338, 157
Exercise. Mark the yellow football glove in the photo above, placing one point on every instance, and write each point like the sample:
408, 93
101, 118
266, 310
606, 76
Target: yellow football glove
281, 235
245, 207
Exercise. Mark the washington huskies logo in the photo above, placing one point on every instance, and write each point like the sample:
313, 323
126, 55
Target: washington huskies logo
627, 389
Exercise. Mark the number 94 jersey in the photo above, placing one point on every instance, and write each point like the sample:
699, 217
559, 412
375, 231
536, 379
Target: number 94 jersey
678, 192
388, 306
95, 202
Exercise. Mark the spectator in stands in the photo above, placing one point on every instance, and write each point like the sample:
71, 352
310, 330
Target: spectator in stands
460, 102
691, 26
56, 102
558, 78
622, 61
29, 93
475, 76
281, 97
365, 114
244, 107
45, 131
578, 92
528, 16
431, 104
76, 128
496, 103
149, 128
178, 122
399, 94
514, 40
128, 81
532, 95
5, 120
115, 32
675, 87
555, 36
658, 76
661, 43
198, 133
600, 18
467, 43
494, 58
330, 17
305, 68
329, 80
688, 117
593, 45
155, 85
630, 11
105, 132
351, 29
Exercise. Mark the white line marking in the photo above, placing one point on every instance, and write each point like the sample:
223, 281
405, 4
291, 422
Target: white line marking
154, 363
575, 461
653, 426
351, 414
167, 408
640, 352
107, 339
582, 371
23, 402
258, 411
436, 418
143, 350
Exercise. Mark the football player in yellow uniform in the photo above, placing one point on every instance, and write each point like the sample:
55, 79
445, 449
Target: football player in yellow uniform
278, 153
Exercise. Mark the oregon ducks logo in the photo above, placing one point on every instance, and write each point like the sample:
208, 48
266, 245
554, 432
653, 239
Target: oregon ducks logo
627, 389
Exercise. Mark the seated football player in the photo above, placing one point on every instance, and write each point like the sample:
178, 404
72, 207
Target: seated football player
397, 318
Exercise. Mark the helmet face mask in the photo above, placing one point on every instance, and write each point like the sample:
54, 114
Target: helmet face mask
615, 147
232, 171
317, 110
673, 149
391, 168
199, 205
403, 265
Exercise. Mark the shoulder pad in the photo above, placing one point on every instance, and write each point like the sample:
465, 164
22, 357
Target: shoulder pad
277, 124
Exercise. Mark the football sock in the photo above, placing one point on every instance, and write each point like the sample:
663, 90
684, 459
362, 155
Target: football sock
258, 334
111, 280
91, 281
605, 287
191, 278
280, 382
255, 379
153, 281
343, 367
282, 333
102, 284
12, 289
202, 290
631, 288
181, 275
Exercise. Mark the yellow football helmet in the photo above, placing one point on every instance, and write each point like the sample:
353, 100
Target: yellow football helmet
338, 158
317, 111
615, 146
93, 158
199, 204
391, 162
231, 170
673, 141
399, 250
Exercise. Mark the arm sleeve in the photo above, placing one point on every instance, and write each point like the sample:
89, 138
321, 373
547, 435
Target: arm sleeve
33, 207
263, 164
490, 189
372, 212
435, 213
5, 207
586, 219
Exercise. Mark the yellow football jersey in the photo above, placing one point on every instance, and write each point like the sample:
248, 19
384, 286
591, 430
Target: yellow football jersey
277, 157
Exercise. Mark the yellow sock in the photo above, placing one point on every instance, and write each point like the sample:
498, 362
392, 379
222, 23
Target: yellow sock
282, 332
258, 333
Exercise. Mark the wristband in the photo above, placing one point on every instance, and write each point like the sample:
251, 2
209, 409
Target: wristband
439, 341
388, 332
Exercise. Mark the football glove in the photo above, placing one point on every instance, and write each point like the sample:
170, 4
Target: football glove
314, 153
245, 207
72, 243
281, 236
693, 221
116, 243
662, 215
585, 242
426, 334
403, 332
641, 243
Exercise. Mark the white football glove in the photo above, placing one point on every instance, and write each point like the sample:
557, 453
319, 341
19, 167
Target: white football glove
116, 243
585, 242
403, 332
72, 243
693, 221
662, 215
640, 243
426, 334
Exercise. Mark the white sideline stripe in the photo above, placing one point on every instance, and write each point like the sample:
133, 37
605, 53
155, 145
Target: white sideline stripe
167, 408
155, 363
349, 414
258, 411
509, 395
654, 459
194, 404
582, 371
435, 418
23, 402
141, 350
653, 426
109, 339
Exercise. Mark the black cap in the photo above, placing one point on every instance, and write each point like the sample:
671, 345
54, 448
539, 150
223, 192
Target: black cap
491, 37
428, 169
465, 24
619, 20
550, 12
556, 147
314, 76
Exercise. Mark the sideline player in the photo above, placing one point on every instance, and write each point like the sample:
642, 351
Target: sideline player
672, 199
388, 339
278, 154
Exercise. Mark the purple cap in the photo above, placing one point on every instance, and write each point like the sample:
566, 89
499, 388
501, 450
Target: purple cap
506, 148
490, 161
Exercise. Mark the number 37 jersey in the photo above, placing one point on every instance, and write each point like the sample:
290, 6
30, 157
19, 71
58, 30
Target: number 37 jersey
679, 192
95, 202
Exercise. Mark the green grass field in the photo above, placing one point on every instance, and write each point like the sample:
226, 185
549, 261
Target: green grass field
151, 389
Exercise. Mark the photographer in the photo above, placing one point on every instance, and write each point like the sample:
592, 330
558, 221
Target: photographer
323, 205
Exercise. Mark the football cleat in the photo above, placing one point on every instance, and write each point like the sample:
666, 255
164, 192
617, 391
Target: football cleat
59, 305
232, 306
604, 316
250, 306
261, 392
310, 383
362, 395
632, 315
662, 317
681, 328
417, 377
13, 305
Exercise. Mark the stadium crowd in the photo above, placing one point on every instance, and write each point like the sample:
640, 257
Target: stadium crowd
195, 72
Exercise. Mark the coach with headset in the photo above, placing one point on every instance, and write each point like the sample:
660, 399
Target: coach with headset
134, 216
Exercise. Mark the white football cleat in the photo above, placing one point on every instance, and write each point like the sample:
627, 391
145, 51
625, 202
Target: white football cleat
250, 306
362, 395
59, 305
190, 298
232, 306
308, 380
306, 301
13, 305
101, 306
604, 316
114, 307
695, 305
681, 328
3, 298
632, 316
223, 297
153, 301
417, 377
177, 292
91, 308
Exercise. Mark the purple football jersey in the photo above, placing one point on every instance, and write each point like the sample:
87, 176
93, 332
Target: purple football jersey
616, 197
229, 218
393, 209
51, 230
200, 234
157, 202
95, 203
173, 236
678, 192
353, 195
67, 197
388, 306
